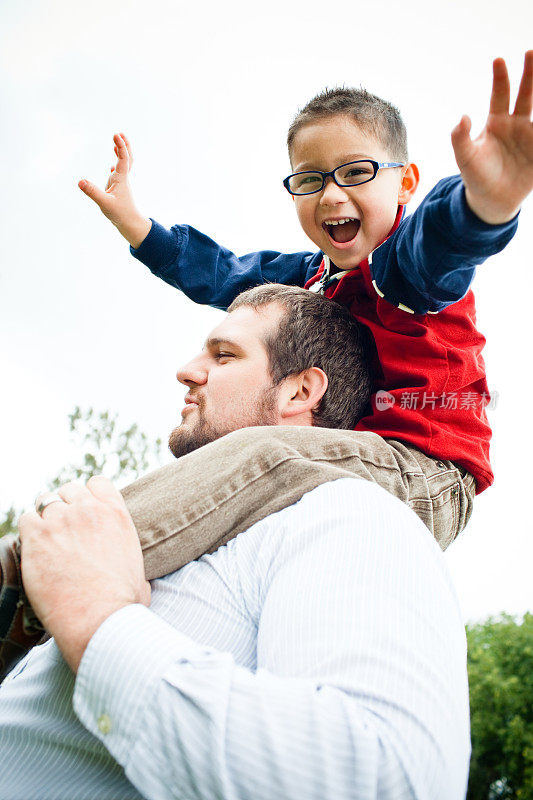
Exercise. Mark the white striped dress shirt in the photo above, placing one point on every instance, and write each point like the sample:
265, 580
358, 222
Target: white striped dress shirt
319, 655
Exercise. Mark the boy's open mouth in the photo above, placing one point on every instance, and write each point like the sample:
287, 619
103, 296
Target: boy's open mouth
343, 230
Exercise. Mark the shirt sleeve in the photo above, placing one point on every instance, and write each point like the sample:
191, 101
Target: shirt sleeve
360, 690
212, 275
430, 261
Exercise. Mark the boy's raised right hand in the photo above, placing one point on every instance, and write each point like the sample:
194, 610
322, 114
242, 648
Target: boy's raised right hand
116, 202
497, 166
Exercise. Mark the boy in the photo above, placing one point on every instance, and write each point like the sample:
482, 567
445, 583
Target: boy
406, 280
426, 436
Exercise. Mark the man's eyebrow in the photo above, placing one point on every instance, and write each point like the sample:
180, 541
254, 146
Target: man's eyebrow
216, 341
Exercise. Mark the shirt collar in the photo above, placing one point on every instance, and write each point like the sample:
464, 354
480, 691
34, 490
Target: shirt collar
324, 277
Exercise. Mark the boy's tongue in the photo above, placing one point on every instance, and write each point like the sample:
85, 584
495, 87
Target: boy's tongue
345, 232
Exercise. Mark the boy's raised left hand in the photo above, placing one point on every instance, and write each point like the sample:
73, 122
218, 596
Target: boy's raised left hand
497, 167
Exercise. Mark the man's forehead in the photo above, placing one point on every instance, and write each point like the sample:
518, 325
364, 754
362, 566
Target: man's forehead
245, 324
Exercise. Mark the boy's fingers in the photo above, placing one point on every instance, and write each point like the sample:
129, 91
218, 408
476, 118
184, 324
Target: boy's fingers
501, 88
92, 191
123, 158
128, 145
524, 98
461, 140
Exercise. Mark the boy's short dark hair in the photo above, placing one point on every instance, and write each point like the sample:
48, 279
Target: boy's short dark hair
317, 332
377, 116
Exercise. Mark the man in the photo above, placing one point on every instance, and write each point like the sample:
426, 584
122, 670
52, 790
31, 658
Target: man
320, 654
199, 502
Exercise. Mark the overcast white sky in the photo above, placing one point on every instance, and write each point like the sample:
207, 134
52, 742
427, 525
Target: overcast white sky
207, 91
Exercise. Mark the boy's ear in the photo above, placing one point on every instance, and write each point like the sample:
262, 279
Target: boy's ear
409, 183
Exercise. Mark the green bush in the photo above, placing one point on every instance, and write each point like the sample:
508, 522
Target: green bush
500, 672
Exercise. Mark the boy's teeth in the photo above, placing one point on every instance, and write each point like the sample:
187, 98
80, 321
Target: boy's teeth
342, 230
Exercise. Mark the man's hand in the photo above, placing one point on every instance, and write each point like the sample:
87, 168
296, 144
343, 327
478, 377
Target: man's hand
81, 561
117, 201
497, 167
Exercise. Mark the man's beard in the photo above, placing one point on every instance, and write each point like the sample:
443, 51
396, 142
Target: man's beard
185, 439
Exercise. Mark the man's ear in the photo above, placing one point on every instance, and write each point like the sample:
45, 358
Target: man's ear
409, 183
301, 394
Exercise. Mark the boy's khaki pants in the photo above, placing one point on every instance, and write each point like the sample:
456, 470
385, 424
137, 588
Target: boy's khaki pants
202, 500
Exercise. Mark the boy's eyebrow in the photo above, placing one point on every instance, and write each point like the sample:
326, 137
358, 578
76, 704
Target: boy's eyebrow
345, 159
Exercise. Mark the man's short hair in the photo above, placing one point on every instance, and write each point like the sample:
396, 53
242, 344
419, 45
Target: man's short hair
376, 116
317, 332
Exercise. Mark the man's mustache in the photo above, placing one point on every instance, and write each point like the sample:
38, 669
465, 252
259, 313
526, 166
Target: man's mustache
196, 398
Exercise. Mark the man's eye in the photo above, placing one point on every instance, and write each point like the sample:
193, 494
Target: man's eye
224, 355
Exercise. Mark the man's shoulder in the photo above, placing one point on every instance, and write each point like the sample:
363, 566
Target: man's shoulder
360, 500
345, 516
348, 538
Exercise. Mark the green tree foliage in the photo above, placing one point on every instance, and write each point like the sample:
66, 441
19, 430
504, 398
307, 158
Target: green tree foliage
8, 523
500, 671
104, 448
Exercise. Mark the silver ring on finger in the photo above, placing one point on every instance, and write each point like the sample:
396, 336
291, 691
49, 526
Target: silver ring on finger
47, 501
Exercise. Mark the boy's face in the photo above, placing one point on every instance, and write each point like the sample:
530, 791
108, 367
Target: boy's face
372, 206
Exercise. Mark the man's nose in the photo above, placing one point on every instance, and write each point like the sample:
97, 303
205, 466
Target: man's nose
332, 194
194, 373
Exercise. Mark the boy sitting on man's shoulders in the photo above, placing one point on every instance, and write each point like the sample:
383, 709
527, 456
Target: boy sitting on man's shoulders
426, 436
351, 180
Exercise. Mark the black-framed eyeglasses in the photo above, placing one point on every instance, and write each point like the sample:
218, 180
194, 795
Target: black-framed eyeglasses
352, 174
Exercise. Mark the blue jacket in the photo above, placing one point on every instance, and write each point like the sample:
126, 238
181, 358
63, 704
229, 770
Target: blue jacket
426, 264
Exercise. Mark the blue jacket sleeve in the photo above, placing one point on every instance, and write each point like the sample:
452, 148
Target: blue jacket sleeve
210, 274
430, 261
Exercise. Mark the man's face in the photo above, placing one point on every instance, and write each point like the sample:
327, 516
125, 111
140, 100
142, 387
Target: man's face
372, 206
229, 382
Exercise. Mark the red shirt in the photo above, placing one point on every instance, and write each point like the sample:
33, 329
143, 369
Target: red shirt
429, 375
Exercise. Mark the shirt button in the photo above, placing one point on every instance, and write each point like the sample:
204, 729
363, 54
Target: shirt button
104, 723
